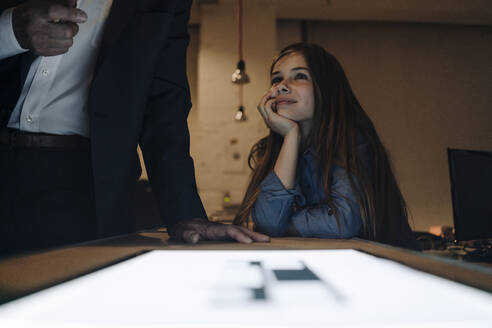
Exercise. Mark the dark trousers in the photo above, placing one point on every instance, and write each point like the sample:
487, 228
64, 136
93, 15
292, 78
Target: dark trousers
46, 198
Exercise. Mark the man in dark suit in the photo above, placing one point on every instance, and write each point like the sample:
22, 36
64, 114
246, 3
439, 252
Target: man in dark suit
82, 84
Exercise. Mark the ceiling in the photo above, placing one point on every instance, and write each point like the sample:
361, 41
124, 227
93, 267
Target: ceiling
468, 12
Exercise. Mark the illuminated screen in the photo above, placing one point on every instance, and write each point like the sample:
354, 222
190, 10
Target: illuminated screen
315, 288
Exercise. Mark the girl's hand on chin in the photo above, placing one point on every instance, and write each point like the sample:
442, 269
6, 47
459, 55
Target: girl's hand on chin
274, 121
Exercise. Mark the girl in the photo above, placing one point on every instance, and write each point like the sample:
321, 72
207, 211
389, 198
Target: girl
322, 171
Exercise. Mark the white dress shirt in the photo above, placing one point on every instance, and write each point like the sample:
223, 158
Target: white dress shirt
55, 94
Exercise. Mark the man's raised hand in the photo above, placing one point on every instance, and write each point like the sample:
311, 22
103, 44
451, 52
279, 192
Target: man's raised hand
47, 27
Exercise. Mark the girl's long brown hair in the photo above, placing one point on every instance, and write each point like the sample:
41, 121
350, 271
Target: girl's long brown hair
338, 123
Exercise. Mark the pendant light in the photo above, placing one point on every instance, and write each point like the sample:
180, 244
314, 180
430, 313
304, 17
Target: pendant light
239, 76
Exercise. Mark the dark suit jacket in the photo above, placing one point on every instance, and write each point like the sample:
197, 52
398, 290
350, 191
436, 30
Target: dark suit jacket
139, 95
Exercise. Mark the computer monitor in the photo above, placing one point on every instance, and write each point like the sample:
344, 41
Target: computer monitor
471, 192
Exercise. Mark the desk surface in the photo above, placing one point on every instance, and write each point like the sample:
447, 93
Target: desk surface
24, 274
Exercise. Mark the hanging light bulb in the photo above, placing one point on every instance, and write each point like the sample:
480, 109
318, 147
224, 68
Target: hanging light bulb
240, 115
239, 76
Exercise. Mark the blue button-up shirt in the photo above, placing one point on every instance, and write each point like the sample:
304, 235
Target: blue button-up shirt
305, 205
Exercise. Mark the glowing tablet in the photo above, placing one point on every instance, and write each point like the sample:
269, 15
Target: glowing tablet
318, 288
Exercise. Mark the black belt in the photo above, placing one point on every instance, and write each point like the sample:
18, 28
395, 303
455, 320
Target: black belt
21, 139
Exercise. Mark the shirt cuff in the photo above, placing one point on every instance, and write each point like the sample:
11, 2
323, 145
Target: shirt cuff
320, 223
9, 46
302, 226
273, 185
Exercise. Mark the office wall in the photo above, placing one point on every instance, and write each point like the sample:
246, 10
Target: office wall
219, 144
426, 86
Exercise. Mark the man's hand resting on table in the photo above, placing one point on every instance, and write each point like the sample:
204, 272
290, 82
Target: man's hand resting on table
194, 230
47, 27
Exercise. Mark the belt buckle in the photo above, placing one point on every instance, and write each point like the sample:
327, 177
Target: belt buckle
13, 137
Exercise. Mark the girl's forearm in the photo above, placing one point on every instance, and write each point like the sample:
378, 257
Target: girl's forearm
285, 167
